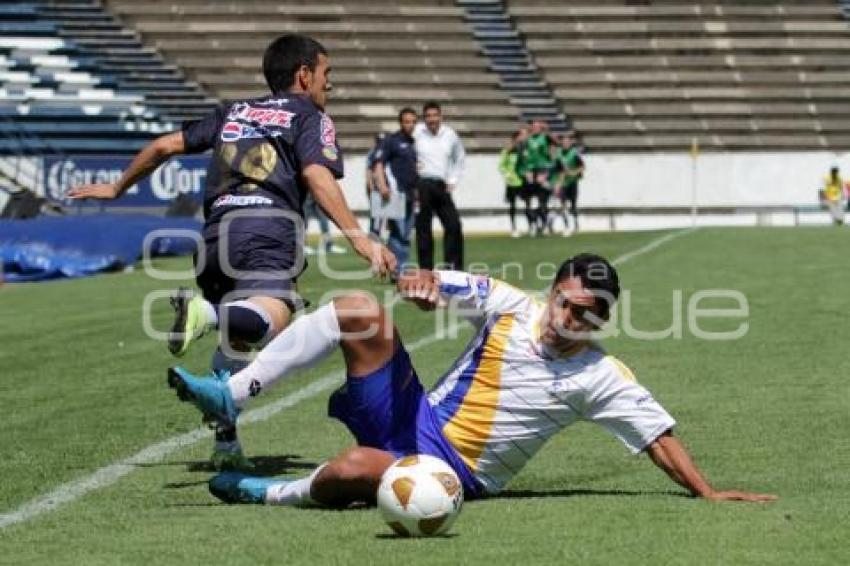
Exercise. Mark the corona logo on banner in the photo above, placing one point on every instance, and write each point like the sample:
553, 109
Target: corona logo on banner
184, 175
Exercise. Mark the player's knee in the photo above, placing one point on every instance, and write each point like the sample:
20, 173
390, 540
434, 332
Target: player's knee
359, 313
245, 324
353, 466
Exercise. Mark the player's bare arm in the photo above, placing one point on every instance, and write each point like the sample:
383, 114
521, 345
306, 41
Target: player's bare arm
669, 454
146, 161
326, 191
380, 180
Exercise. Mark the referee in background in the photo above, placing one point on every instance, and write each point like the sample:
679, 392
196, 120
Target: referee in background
440, 157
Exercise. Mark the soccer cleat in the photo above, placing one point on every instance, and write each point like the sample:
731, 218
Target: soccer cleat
224, 459
209, 394
233, 487
190, 321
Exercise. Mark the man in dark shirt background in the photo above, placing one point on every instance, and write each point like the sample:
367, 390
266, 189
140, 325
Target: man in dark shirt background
267, 154
395, 169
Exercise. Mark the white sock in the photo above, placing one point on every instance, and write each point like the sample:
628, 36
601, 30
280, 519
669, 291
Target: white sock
302, 345
294, 493
211, 314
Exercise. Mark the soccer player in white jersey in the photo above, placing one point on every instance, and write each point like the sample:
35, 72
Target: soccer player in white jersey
531, 370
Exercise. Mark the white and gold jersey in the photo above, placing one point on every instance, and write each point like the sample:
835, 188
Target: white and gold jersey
507, 394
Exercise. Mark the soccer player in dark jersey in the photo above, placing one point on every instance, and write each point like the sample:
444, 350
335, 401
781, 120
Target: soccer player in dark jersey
267, 154
396, 170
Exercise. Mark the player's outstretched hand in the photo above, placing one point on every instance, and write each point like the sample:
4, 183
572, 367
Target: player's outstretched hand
420, 287
103, 191
732, 495
382, 260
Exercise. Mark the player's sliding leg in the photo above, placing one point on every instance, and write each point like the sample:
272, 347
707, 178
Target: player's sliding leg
372, 352
351, 477
303, 344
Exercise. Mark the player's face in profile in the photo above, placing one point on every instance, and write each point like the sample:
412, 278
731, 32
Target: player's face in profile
319, 83
433, 118
569, 316
408, 122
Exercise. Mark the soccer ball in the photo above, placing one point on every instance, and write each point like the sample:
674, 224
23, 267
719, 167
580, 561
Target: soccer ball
419, 496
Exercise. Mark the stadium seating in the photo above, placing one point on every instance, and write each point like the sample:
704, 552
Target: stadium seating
385, 54
72, 81
638, 75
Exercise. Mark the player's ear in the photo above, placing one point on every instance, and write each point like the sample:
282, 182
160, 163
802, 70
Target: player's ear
304, 77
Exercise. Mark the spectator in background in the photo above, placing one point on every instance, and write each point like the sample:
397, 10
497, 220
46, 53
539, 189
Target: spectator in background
537, 168
832, 195
509, 167
395, 170
568, 171
440, 158
326, 243
375, 224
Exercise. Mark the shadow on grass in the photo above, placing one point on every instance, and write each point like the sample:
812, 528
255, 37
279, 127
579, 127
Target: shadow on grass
263, 465
393, 536
535, 494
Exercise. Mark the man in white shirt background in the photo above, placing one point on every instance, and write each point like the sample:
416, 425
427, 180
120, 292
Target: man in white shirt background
440, 157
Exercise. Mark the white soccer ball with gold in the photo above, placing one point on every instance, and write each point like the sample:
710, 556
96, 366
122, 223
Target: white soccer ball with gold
419, 496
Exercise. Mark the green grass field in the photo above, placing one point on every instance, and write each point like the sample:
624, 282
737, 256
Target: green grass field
82, 387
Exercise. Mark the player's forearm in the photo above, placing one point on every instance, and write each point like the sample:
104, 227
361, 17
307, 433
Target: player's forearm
381, 179
152, 156
668, 453
329, 197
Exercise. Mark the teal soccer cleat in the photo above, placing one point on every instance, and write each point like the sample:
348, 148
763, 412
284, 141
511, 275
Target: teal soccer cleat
209, 394
233, 487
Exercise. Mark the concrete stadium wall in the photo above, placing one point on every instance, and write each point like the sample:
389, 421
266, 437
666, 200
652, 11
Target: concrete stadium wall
728, 181
656, 180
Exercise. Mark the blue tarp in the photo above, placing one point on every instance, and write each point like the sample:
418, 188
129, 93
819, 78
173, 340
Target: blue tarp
78, 246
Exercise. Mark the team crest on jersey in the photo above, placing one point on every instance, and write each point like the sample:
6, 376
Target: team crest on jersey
330, 153
328, 135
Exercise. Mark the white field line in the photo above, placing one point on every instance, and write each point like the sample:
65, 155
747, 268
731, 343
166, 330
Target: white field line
108, 475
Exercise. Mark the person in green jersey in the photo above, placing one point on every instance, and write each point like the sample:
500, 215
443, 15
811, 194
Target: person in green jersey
565, 177
537, 166
510, 167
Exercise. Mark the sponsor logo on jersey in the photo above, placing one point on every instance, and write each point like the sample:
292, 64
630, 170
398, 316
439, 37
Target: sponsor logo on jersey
234, 131
328, 135
261, 116
241, 200
482, 285
231, 132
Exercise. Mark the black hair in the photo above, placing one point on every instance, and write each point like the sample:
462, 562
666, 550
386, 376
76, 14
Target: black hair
285, 56
431, 105
597, 275
406, 110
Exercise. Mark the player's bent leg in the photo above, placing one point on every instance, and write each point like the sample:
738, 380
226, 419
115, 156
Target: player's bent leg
351, 477
367, 336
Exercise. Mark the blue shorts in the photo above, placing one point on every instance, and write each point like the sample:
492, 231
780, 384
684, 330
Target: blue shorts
389, 410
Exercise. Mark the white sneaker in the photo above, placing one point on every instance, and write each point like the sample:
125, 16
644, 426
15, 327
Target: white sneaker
336, 249
515, 234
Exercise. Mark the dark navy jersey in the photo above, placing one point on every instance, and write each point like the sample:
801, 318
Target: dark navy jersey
397, 153
260, 148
